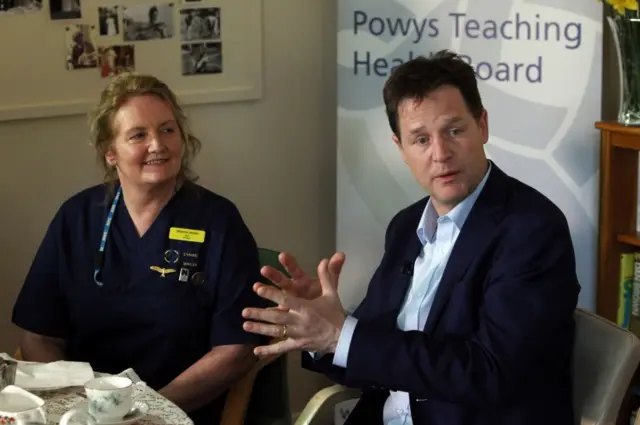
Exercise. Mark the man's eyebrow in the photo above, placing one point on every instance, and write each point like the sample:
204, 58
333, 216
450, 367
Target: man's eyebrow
453, 120
417, 130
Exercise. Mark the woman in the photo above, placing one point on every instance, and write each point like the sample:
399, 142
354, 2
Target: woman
148, 270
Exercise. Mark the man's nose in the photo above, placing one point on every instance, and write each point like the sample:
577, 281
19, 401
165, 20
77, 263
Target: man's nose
441, 150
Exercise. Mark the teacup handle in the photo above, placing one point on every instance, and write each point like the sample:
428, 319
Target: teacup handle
86, 418
140, 384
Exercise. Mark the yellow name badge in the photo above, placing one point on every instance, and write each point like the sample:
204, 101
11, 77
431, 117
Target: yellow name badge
187, 235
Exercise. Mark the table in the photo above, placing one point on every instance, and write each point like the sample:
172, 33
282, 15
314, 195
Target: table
161, 410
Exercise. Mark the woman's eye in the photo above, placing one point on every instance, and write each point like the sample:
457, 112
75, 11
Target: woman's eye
137, 136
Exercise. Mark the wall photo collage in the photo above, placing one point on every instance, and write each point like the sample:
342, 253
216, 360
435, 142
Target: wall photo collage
110, 46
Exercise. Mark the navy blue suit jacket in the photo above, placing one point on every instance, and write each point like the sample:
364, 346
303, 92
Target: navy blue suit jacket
496, 347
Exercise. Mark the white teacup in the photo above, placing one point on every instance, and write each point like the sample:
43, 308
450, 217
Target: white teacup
109, 398
18, 406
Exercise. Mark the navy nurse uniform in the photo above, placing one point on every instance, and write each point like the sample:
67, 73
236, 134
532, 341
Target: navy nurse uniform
158, 303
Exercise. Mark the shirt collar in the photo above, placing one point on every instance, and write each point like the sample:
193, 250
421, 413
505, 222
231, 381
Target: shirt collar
458, 215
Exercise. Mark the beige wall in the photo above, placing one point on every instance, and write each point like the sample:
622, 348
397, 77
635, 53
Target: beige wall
274, 158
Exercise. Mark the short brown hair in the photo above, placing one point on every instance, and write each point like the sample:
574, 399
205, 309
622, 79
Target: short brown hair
118, 91
416, 78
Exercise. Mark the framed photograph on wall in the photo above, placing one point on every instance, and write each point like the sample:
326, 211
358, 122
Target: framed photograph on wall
65, 9
148, 21
19, 6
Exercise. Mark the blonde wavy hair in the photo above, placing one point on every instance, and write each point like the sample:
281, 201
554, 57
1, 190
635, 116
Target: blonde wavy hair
118, 91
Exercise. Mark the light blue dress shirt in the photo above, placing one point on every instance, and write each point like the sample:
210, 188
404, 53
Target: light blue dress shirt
437, 235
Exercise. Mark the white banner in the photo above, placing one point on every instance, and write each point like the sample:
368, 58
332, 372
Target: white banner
539, 65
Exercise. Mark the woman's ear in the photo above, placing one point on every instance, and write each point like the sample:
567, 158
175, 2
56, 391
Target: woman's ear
110, 157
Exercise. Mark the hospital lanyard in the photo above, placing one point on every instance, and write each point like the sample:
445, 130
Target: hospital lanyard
105, 233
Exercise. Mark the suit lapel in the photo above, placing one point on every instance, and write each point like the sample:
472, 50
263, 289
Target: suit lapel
475, 234
404, 252
402, 280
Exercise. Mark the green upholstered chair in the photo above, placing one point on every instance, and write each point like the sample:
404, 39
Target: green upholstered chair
262, 397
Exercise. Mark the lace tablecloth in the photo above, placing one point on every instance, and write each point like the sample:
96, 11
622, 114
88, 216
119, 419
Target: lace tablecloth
161, 410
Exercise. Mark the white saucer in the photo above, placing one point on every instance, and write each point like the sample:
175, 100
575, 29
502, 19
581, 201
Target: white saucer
137, 412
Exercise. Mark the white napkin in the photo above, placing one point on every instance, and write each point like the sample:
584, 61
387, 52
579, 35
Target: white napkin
47, 376
131, 374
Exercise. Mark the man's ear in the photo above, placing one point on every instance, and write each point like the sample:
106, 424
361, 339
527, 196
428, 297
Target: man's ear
397, 141
398, 144
483, 122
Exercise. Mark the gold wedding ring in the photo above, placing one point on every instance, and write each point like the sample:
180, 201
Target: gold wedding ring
284, 331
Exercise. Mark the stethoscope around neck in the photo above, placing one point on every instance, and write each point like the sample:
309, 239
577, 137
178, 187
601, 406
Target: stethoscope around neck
100, 255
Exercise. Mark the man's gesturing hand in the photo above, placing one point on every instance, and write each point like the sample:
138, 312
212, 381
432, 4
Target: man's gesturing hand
300, 284
309, 316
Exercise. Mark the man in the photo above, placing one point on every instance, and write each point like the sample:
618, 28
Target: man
469, 317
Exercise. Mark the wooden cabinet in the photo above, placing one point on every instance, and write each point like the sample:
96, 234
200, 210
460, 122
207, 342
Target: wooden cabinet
618, 209
618, 204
